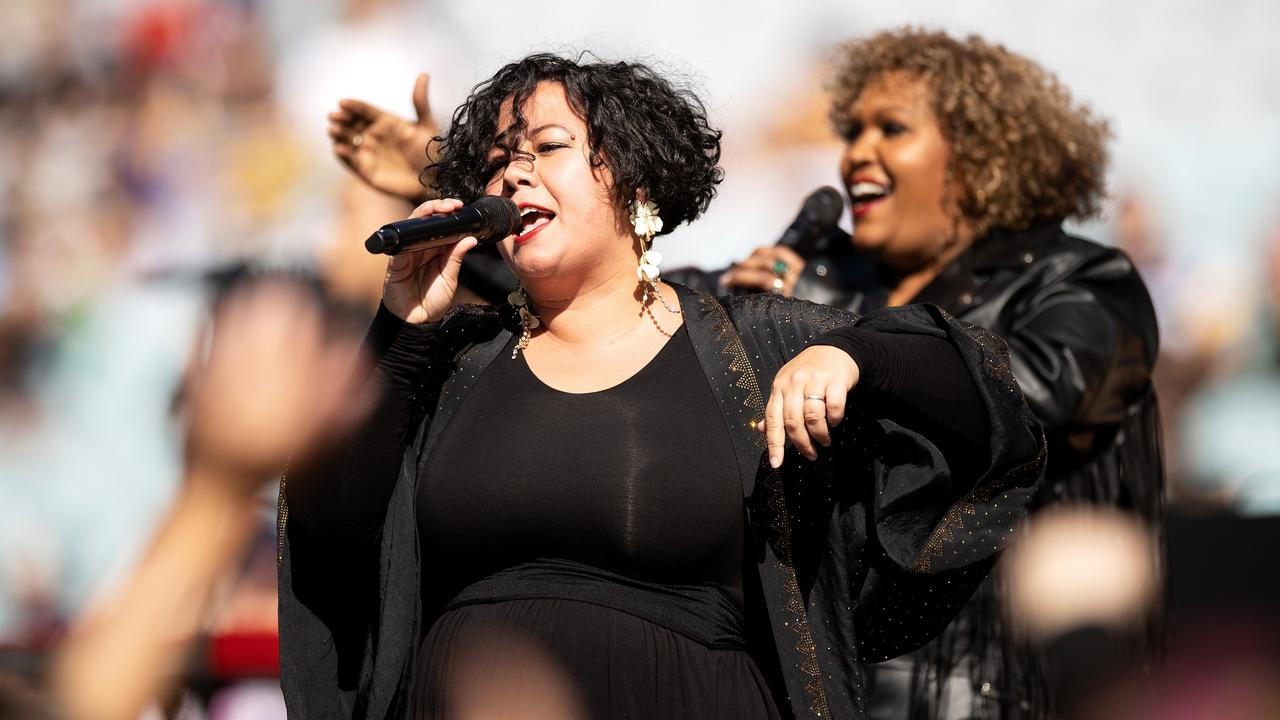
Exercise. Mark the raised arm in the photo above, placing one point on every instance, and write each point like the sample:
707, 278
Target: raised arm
343, 494
383, 149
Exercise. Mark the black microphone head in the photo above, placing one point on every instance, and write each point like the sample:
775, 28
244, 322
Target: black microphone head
817, 217
501, 216
823, 207
383, 240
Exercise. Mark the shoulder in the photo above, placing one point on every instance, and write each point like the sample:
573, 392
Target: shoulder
1107, 271
1064, 266
768, 328
1036, 262
777, 312
1072, 254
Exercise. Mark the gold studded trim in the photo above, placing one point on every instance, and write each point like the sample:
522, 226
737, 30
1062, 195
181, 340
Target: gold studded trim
997, 363
953, 522
282, 518
726, 336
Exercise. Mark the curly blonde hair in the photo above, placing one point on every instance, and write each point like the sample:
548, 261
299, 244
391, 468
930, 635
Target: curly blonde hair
1021, 149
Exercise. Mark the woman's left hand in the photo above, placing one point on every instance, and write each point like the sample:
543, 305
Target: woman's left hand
807, 400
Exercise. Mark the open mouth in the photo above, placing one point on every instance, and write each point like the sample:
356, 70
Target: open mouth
532, 220
864, 193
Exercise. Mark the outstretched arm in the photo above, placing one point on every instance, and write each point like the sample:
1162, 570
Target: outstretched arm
383, 149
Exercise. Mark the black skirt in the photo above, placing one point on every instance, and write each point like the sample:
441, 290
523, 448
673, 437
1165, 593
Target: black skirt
556, 658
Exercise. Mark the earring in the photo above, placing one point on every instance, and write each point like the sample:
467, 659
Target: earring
529, 322
647, 223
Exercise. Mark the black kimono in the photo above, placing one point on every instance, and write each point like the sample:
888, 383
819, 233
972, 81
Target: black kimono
858, 557
1083, 342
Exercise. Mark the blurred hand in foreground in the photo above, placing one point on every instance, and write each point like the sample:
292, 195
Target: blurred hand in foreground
1076, 566
270, 384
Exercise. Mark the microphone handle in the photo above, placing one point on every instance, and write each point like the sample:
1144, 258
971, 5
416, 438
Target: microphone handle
795, 237
425, 233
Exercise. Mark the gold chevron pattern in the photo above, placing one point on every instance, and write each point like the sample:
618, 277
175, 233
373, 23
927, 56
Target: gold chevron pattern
740, 365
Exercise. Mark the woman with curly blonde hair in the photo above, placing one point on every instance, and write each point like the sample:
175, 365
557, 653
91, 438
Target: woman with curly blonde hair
962, 161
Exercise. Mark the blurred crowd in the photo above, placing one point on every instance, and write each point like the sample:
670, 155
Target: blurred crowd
151, 150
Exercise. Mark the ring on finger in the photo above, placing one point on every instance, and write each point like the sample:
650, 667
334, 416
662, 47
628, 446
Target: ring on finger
356, 140
776, 285
780, 268
819, 398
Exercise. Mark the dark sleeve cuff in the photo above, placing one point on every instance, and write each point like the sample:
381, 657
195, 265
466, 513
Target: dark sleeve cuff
909, 375
401, 349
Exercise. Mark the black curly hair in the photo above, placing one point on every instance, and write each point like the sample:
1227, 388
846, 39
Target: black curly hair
652, 135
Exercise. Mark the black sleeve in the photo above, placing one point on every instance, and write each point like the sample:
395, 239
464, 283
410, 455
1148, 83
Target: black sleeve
919, 380
344, 492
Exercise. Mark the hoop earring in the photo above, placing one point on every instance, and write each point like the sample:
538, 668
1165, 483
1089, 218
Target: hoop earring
647, 223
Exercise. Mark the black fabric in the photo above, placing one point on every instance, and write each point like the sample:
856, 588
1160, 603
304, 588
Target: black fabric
1083, 340
509, 656
540, 495
916, 378
352, 506
863, 554
525, 471
702, 612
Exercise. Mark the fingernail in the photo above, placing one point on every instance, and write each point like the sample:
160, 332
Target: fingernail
775, 461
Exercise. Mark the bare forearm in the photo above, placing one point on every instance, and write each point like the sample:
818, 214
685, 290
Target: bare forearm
123, 654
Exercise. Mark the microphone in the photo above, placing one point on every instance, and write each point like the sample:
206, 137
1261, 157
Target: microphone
819, 213
490, 219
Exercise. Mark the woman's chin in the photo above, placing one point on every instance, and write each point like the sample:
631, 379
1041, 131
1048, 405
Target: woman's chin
533, 265
871, 243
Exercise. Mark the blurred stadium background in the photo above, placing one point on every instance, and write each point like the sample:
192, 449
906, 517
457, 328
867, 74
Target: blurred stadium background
146, 144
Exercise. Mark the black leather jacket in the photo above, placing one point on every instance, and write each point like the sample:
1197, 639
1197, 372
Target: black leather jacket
1083, 342
1082, 337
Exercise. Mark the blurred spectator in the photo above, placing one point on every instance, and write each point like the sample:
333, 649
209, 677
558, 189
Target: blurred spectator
260, 392
156, 157
1186, 351
1231, 427
1077, 578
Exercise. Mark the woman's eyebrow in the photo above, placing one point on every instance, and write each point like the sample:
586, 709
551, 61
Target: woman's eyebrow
540, 128
500, 137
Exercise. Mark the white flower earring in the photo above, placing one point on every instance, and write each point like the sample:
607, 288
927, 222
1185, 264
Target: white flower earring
647, 223
528, 321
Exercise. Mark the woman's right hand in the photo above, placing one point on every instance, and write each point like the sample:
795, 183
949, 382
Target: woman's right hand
772, 268
385, 150
420, 286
